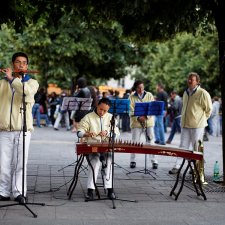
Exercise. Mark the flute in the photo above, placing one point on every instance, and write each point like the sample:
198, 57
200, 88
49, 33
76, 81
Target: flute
20, 71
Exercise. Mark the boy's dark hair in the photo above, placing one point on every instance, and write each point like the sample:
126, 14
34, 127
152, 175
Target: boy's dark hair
105, 101
18, 54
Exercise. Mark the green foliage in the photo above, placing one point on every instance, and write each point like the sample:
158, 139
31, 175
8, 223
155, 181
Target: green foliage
76, 38
171, 61
9, 41
74, 46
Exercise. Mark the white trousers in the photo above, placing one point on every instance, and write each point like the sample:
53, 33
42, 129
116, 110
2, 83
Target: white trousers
189, 136
59, 117
216, 126
95, 162
136, 138
11, 162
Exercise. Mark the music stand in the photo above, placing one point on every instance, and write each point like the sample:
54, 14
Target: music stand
75, 103
119, 107
153, 108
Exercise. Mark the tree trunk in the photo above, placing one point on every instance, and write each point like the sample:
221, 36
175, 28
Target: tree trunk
219, 10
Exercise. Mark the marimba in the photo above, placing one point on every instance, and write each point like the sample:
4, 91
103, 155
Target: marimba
83, 149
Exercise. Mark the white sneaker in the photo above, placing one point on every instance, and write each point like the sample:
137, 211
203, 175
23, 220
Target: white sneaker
173, 171
154, 161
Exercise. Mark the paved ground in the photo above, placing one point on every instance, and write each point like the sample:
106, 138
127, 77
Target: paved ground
48, 182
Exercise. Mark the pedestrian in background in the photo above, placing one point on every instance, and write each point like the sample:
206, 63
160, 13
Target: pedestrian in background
175, 109
215, 117
159, 128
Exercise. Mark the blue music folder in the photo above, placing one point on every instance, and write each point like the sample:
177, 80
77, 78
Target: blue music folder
119, 106
154, 108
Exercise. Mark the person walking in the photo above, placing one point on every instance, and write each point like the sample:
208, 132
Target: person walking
159, 129
83, 92
215, 117
62, 114
175, 109
125, 117
53, 101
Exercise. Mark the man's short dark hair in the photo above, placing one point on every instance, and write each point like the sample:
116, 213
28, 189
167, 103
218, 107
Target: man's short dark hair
18, 54
160, 85
174, 92
81, 82
136, 84
105, 101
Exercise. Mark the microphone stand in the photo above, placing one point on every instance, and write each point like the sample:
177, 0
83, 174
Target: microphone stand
148, 139
24, 201
111, 146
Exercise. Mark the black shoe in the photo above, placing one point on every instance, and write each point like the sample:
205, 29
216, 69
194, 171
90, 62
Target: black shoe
2, 198
21, 199
111, 194
132, 165
205, 138
56, 128
162, 143
89, 195
154, 166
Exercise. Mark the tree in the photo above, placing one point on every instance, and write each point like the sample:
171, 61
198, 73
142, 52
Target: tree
9, 40
170, 62
76, 47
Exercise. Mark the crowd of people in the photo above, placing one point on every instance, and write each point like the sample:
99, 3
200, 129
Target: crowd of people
194, 115
47, 111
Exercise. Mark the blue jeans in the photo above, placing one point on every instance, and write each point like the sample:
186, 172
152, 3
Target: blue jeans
175, 128
45, 117
36, 113
159, 130
209, 128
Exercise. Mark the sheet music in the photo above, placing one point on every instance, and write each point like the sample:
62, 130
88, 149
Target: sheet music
153, 108
119, 106
75, 103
